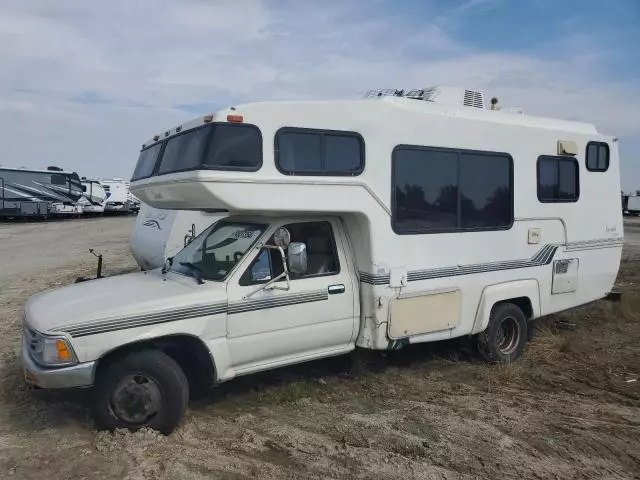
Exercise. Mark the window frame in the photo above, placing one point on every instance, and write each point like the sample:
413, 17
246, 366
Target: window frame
458, 151
322, 133
586, 156
559, 158
245, 278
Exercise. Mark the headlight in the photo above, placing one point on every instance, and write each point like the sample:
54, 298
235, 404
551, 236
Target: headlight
49, 350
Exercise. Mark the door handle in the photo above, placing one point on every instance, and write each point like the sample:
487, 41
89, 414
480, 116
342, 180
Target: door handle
334, 289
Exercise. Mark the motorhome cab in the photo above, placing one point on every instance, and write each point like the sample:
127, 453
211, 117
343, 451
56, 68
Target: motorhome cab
94, 197
374, 223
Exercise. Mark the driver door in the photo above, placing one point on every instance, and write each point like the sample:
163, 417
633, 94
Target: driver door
314, 318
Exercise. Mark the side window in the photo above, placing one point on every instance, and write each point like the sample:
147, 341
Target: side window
301, 151
322, 257
446, 190
57, 179
597, 157
558, 180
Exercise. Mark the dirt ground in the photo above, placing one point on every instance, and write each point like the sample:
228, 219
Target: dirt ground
570, 409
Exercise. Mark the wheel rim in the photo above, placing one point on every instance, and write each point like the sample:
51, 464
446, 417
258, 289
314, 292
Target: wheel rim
508, 336
136, 399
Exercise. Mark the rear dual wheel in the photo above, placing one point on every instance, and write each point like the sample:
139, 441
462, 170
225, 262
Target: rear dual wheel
504, 339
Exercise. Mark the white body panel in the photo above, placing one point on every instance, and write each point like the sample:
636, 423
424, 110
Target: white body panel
158, 234
553, 256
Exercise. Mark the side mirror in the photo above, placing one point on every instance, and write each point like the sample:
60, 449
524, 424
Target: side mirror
84, 188
297, 258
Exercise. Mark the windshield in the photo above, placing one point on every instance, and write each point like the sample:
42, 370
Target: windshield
214, 253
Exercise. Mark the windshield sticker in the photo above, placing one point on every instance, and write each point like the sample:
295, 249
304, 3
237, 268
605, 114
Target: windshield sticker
243, 234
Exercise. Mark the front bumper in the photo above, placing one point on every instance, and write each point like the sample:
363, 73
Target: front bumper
80, 375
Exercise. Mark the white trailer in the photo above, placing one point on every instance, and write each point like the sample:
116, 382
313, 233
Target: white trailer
160, 234
118, 196
372, 223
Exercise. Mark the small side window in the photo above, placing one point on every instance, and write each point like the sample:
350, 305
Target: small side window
558, 180
597, 157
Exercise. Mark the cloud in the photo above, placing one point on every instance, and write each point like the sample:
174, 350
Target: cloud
85, 83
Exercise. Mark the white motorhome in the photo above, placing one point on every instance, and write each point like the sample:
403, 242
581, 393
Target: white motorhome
94, 196
159, 234
372, 223
118, 196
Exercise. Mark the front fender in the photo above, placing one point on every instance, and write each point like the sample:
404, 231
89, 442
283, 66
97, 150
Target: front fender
493, 294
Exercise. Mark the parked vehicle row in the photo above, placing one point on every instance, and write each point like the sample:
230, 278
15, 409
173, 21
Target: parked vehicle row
54, 192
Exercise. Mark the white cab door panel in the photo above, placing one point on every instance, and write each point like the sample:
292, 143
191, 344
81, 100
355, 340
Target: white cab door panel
315, 316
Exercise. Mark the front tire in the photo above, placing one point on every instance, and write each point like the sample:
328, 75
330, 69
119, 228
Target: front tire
504, 338
142, 389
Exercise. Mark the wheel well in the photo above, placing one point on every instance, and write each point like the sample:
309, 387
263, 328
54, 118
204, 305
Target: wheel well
524, 303
189, 352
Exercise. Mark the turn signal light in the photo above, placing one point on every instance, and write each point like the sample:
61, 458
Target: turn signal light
63, 352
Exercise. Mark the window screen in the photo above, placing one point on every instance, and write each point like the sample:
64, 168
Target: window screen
597, 157
558, 179
319, 152
446, 190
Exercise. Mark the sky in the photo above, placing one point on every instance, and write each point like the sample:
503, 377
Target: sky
84, 84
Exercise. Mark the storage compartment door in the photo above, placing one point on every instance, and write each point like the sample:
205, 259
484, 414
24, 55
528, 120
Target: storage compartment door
415, 314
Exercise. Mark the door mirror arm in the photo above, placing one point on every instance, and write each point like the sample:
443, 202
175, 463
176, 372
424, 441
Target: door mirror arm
271, 284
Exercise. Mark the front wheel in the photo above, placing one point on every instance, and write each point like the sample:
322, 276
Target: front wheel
506, 335
143, 389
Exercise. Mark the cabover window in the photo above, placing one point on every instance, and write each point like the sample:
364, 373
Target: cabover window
446, 190
147, 162
301, 151
217, 146
597, 157
558, 179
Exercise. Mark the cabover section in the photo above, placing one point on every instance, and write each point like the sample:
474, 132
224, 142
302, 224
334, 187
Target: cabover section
449, 208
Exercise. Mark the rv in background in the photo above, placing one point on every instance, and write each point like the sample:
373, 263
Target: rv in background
160, 234
94, 197
633, 205
118, 200
39, 193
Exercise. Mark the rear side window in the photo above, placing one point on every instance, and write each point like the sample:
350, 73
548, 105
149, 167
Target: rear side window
558, 179
597, 157
319, 152
146, 162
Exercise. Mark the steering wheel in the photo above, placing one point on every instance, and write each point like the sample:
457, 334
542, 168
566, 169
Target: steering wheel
237, 256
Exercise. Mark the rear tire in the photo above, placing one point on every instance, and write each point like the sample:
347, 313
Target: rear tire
504, 338
142, 389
